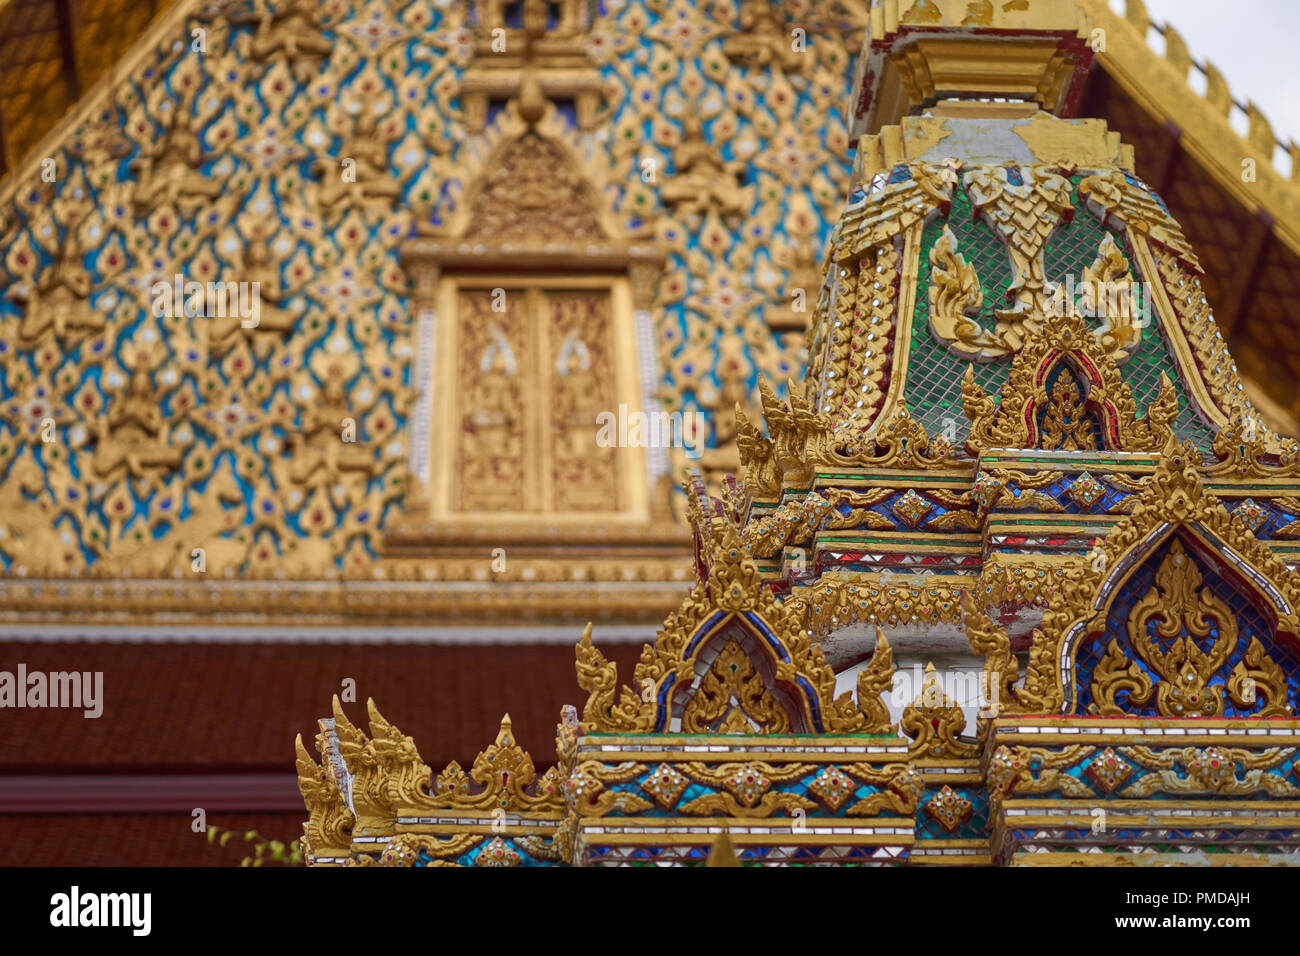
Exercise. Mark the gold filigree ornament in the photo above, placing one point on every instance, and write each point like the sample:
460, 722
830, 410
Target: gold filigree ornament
1066, 425
390, 779
1210, 770
849, 357
1110, 196
934, 721
1013, 420
386, 764
1186, 616
758, 457
589, 794
1245, 448
832, 787
805, 439
842, 598
1001, 669
508, 781
405, 849
745, 789
955, 301
498, 853
1208, 367
891, 208
1109, 293
795, 521
1174, 503
793, 427
732, 699
1031, 771
1108, 770
900, 441
949, 808
902, 787
875, 680
858, 314
729, 610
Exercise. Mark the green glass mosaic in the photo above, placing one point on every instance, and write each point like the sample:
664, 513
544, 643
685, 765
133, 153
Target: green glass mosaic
935, 375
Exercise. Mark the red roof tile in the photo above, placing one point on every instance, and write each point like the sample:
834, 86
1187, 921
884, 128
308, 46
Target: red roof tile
111, 839
237, 707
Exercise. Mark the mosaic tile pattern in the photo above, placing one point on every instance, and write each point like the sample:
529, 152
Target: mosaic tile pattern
1250, 623
235, 422
935, 376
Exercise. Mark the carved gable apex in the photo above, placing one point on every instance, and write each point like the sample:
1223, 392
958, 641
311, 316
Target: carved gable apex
533, 202
534, 193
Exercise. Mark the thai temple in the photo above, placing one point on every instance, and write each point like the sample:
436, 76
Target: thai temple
717, 432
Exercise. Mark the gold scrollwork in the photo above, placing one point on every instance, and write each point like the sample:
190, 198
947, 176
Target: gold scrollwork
730, 582
1035, 770
934, 721
955, 298
1001, 670
1012, 421
1210, 770
805, 439
732, 699
903, 786
1174, 498
1185, 671
1246, 449
835, 601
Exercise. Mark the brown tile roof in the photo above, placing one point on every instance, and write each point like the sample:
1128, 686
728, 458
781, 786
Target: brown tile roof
51, 53
237, 707
148, 839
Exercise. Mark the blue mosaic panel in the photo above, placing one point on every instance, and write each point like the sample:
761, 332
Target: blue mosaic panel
1110, 497
1251, 622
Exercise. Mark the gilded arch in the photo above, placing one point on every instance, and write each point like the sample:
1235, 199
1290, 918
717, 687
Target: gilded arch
730, 594
739, 683
1012, 421
1176, 505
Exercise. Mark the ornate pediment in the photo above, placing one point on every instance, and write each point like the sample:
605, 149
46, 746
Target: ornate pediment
1065, 392
1174, 502
533, 194
1185, 652
769, 670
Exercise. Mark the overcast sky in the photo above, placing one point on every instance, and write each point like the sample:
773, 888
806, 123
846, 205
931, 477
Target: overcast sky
1254, 45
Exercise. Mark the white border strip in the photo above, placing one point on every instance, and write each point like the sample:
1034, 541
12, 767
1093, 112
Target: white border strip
421, 423
656, 457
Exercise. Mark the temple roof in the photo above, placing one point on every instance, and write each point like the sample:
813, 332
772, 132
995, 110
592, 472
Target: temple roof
1190, 132
52, 52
